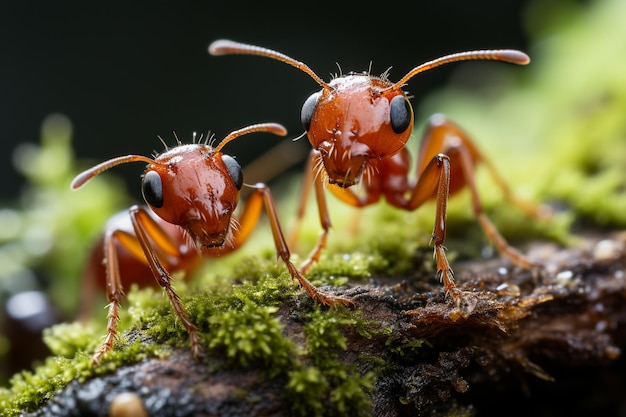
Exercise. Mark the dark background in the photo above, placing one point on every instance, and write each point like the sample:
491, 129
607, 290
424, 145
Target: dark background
125, 74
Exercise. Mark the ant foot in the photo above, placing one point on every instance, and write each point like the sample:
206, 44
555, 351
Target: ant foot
195, 344
332, 300
464, 301
97, 357
317, 295
467, 303
455, 294
106, 346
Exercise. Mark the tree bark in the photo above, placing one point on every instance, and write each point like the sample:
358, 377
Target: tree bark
517, 343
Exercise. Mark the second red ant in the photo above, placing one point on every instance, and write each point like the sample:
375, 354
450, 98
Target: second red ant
358, 125
192, 192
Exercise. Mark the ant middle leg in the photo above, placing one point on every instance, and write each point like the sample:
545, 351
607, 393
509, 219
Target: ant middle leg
263, 194
443, 136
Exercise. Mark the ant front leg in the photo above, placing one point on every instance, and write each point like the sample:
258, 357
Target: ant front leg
316, 176
145, 228
116, 239
313, 178
435, 180
250, 216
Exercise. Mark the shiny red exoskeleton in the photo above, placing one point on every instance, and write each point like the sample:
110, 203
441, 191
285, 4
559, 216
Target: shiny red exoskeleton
358, 125
191, 192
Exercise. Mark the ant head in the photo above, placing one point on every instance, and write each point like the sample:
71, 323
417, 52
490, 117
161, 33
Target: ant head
355, 121
357, 117
193, 186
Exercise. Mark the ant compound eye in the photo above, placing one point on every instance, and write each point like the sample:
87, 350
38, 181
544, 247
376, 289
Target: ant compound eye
307, 110
152, 189
400, 113
234, 169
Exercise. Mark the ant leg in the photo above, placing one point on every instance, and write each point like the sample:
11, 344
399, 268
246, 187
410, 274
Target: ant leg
143, 224
312, 178
346, 195
115, 292
322, 208
490, 230
435, 180
264, 195
443, 136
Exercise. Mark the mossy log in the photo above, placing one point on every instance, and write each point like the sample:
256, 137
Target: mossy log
520, 342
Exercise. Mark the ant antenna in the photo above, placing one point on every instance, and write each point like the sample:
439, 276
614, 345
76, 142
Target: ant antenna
274, 128
506, 55
85, 176
226, 47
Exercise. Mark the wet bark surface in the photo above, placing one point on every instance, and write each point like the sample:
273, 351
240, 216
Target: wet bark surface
512, 342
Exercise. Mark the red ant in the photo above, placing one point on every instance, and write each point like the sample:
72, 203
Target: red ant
358, 125
191, 191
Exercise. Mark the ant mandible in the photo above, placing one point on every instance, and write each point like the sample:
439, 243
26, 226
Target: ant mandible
358, 125
191, 191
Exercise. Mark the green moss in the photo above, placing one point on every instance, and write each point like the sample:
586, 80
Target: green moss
250, 334
406, 347
324, 332
329, 386
71, 345
30, 390
239, 324
386, 254
68, 339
